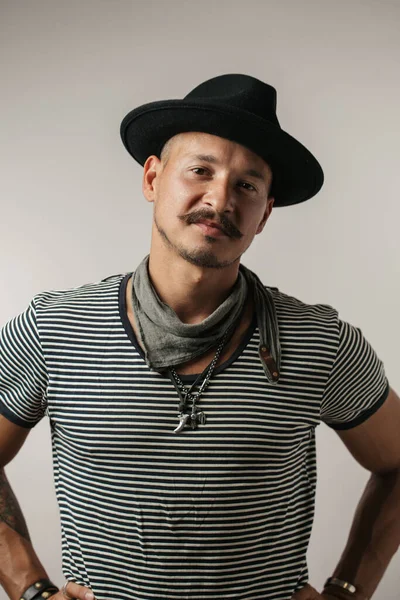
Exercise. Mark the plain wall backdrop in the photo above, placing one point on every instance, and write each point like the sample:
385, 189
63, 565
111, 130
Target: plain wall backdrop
72, 209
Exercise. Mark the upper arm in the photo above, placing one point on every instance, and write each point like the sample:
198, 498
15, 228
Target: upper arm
375, 443
23, 372
357, 385
12, 438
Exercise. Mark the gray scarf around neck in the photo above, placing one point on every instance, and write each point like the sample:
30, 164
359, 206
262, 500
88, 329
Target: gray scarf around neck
169, 342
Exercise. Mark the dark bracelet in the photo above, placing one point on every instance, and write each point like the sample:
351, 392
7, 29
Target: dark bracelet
341, 593
43, 588
344, 585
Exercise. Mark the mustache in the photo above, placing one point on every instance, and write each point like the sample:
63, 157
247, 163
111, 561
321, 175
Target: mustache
222, 221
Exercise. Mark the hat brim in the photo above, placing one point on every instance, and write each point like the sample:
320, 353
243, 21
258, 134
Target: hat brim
297, 174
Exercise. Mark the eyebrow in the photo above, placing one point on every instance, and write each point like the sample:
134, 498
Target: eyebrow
210, 158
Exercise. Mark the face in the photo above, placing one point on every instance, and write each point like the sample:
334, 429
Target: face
210, 198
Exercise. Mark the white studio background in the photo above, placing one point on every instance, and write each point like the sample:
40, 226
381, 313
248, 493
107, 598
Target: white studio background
72, 209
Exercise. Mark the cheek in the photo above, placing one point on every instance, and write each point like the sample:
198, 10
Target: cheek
171, 203
251, 223
173, 196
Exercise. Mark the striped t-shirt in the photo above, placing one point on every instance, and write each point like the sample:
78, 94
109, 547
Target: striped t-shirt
221, 512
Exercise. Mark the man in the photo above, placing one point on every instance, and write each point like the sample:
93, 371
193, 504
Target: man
183, 398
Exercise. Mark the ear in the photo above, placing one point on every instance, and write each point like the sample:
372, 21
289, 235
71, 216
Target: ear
266, 215
151, 169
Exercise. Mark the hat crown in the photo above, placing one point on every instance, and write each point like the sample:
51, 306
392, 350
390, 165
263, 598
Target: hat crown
235, 107
241, 92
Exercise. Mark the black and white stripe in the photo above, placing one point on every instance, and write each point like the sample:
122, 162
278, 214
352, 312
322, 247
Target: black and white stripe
221, 512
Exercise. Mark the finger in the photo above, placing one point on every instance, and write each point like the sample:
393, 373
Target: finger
77, 591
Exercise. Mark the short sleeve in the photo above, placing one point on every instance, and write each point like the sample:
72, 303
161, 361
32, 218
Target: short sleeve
23, 373
357, 385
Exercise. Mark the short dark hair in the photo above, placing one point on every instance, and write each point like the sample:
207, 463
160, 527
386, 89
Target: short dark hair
166, 150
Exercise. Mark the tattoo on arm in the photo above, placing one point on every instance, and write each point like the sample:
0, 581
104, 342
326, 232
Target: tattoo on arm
10, 512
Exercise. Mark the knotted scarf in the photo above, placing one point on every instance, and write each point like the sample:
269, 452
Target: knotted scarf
169, 342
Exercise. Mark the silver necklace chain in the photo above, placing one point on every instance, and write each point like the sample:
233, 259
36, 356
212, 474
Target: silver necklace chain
187, 395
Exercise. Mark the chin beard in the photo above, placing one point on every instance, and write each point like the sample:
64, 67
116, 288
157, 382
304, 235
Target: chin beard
198, 257
204, 258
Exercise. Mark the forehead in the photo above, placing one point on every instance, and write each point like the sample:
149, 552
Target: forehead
191, 143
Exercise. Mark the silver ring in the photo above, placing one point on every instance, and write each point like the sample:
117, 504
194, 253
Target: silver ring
65, 593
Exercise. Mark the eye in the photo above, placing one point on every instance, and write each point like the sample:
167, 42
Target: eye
249, 184
199, 169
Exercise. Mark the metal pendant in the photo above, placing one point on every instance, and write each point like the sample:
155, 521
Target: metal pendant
183, 419
194, 420
197, 418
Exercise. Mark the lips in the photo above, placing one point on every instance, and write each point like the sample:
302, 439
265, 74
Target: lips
210, 228
210, 231
210, 224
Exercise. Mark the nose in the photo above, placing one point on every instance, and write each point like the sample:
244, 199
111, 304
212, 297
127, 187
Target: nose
220, 196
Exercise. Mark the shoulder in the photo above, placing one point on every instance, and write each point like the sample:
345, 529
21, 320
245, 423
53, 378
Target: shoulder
88, 294
290, 308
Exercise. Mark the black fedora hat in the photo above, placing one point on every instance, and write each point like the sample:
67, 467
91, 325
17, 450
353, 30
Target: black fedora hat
240, 108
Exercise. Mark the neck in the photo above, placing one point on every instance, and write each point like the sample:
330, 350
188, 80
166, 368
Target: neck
192, 292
